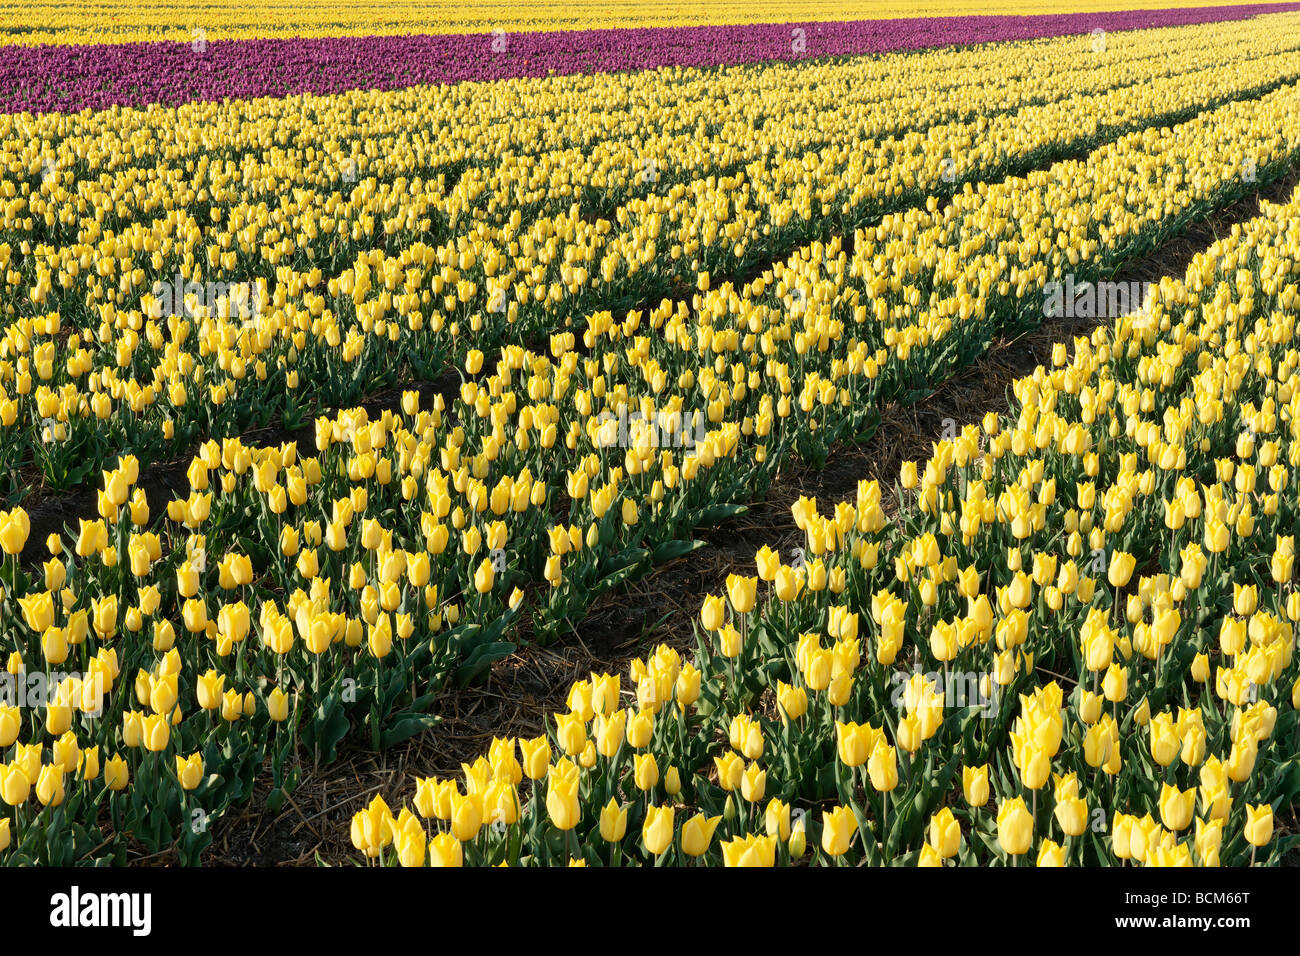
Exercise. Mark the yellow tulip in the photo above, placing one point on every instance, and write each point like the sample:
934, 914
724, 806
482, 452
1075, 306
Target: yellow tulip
446, 851
189, 771
838, 828
657, 831
1015, 827
752, 850
697, 833
945, 833
743, 592
1259, 824
116, 773
1050, 853
484, 577
882, 767
975, 785
711, 613
156, 733
613, 821
49, 786
562, 797
1121, 568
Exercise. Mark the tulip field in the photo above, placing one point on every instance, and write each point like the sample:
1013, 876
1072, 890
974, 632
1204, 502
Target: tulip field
350, 356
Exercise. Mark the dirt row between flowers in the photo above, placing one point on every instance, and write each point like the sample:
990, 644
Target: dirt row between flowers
663, 607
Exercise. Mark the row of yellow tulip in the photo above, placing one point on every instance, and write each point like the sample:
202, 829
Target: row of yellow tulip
979, 686
97, 363
91, 22
708, 119
360, 602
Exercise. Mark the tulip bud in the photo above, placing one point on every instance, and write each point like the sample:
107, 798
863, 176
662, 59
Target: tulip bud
672, 782
798, 841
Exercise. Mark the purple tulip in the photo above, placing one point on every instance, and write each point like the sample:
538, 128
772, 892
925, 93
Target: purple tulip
71, 78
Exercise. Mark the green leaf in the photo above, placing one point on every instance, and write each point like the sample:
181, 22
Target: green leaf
1286, 782
480, 660
611, 581
628, 558
406, 727
718, 513
672, 550
328, 726
275, 799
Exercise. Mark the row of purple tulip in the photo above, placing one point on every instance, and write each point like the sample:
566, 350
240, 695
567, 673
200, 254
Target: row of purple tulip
72, 78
